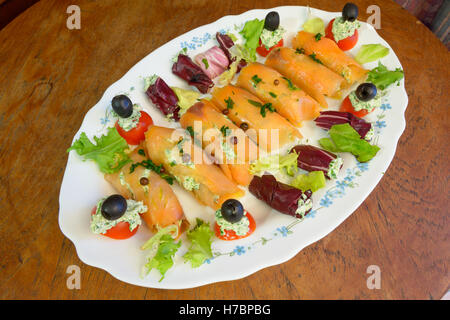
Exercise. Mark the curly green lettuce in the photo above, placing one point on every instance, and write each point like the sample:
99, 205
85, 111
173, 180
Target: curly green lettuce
382, 78
200, 248
251, 33
108, 151
276, 162
162, 247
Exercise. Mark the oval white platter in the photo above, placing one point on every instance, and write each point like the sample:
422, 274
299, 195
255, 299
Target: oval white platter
278, 237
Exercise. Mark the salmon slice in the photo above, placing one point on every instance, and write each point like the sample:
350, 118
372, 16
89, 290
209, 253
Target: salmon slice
206, 123
270, 132
268, 85
317, 80
194, 172
164, 209
327, 51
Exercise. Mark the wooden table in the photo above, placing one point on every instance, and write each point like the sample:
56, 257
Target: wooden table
50, 76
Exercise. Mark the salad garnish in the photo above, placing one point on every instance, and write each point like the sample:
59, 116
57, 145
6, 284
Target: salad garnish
108, 151
200, 249
382, 78
371, 52
280, 196
286, 163
187, 70
251, 33
312, 158
186, 98
329, 118
343, 138
313, 181
162, 260
163, 97
314, 25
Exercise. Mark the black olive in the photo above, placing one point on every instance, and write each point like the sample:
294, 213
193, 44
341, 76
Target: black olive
122, 105
366, 91
272, 21
114, 207
350, 12
232, 210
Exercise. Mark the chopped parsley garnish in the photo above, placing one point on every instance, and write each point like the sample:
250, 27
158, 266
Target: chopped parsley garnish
262, 107
313, 56
290, 84
273, 94
205, 62
190, 130
149, 164
300, 51
141, 152
256, 80
225, 130
230, 103
318, 36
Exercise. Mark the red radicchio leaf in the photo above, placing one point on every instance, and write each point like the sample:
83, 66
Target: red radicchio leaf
186, 69
164, 98
225, 43
241, 64
280, 196
311, 158
217, 62
327, 119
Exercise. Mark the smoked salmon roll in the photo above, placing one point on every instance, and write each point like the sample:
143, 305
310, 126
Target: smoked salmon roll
142, 184
266, 127
224, 140
269, 85
328, 52
190, 166
317, 80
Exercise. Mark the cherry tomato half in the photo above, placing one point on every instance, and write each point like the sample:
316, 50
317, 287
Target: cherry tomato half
231, 235
137, 134
120, 231
344, 44
347, 106
262, 51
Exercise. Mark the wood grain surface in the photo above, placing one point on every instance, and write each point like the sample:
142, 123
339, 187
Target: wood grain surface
51, 76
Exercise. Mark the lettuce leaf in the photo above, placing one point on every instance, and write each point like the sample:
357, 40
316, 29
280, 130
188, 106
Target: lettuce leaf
343, 138
314, 25
186, 98
226, 77
162, 248
382, 78
200, 249
276, 162
371, 52
251, 33
108, 151
313, 181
